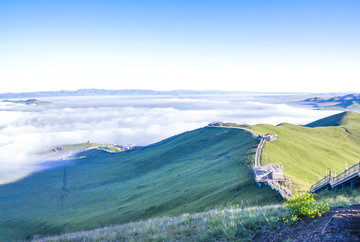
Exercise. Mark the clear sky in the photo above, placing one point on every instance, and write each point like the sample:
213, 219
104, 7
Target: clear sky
239, 45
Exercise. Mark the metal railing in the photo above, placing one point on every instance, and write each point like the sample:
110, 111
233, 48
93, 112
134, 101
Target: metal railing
347, 173
321, 182
337, 179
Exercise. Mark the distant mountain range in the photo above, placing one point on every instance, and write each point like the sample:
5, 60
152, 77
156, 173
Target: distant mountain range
99, 92
350, 101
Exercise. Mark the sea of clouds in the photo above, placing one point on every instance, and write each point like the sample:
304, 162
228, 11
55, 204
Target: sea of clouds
28, 131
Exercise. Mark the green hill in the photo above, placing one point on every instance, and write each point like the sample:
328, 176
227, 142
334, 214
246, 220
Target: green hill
340, 119
307, 152
186, 173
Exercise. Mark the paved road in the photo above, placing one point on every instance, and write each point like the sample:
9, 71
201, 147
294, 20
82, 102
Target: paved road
258, 152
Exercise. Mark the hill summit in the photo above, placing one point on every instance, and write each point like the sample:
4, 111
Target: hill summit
309, 151
340, 119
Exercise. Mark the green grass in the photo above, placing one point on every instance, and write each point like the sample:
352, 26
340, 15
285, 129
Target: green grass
307, 152
223, 224
187, 173
231, 223
344, 198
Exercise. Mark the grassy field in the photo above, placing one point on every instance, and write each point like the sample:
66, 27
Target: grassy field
191, 172
308, 152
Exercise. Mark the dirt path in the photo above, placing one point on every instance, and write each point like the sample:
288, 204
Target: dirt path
341, 224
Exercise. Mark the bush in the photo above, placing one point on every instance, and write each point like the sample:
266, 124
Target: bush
303, 205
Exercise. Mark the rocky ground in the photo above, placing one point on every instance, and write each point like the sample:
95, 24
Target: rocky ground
341, 224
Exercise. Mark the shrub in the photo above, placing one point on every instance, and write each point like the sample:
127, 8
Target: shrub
303, 205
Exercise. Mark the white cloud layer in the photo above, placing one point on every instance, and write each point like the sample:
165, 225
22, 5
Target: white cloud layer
26, 131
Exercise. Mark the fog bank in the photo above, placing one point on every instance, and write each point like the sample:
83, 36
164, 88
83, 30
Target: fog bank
27, 131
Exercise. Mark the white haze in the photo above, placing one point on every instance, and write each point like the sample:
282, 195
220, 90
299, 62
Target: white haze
26, 131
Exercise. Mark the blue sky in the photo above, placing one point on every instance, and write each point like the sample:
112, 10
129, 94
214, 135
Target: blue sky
311, 46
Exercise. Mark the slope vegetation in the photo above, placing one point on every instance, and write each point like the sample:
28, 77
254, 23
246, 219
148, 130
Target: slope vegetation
308, 152
185, 173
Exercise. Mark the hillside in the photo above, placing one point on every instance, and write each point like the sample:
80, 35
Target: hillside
186, 173
308, 152
237, 223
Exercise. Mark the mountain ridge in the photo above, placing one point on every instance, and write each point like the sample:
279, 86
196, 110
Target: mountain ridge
348, 101
100, 92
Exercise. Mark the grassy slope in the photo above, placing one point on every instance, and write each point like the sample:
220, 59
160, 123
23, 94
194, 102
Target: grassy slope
307, 152
186, 173
233, 223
